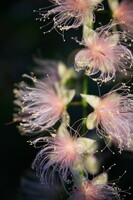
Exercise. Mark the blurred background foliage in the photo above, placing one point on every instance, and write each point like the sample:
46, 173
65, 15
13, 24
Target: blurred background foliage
21, 41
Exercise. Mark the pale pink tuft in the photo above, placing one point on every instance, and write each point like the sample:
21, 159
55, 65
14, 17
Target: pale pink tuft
63, 152
91, 191
103, 55
38, 107
70, 13
124, 15
115, 115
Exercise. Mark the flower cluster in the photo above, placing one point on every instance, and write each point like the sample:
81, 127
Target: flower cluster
64, 152
42, 103
114, 113
71, 13
40, 106
124, 15
104, 53
98, 189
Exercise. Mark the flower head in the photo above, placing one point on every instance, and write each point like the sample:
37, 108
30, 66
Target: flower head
114, 113
64, 153
71, 13
124, 15
103, 55
40, 106
97, 189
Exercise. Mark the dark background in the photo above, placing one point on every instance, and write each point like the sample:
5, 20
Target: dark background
21, 40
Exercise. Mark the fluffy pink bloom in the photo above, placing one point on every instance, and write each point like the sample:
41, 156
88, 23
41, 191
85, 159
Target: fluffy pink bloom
40, 106
114, 113
103, 55
94, 190
64, 153
124, 15
70, 13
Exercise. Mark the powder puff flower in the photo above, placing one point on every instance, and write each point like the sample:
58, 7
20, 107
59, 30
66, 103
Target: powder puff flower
97, 189
40, 106
64, 153
71, 13
114, 113
103, 55
124, 15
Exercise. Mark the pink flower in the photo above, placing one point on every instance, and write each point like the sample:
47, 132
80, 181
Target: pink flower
103, 55
64, 153
114, 113
95, 190
124, 15
70, 13
40, 106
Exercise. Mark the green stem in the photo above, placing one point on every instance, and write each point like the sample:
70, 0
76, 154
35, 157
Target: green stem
86, 33
75, 103
84, 103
